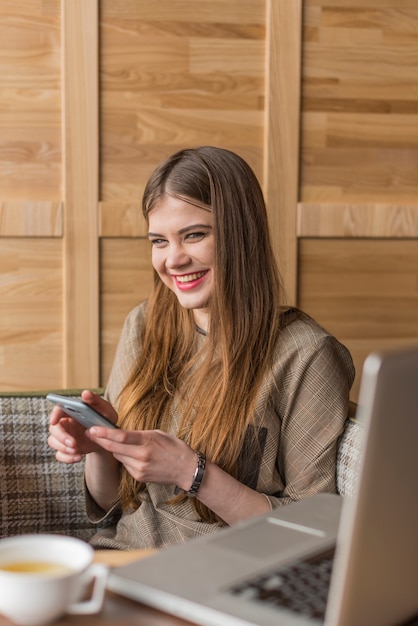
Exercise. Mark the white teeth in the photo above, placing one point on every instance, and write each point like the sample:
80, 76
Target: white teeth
188, 277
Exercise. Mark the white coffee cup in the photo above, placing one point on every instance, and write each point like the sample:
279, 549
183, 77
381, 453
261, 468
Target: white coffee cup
44, 576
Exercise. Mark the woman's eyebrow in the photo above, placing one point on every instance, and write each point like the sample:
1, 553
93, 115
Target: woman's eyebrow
193, 227
184, 230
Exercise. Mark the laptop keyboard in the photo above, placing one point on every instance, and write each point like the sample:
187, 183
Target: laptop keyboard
301, 587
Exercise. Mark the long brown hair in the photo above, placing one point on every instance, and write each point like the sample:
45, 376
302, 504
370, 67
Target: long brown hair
215, 387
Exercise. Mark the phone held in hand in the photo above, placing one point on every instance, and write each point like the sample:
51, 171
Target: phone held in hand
80, 411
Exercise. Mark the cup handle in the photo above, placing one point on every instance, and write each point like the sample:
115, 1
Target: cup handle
99, 574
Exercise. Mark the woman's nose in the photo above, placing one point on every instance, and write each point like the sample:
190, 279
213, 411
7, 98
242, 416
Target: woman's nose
176, 256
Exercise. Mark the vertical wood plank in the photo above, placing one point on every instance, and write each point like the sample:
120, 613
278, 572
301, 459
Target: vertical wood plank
80, 176
283, 76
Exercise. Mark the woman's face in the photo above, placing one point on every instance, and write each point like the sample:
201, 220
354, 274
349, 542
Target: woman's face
182, 241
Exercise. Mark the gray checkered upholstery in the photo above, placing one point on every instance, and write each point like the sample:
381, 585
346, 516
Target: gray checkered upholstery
40, 495
348, 458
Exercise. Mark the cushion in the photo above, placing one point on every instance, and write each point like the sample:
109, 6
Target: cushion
38, 494
348, 457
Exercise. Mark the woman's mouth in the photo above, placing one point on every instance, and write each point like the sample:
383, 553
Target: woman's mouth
189, 281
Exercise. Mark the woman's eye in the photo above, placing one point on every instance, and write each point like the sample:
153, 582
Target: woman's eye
157, 242
160, 242
195, 236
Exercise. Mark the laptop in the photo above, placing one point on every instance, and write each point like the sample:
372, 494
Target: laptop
364, 549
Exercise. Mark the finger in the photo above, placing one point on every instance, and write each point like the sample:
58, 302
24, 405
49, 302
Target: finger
68, 458
57, 436
101, 405
56, 415
67, 428
118, 435
124, 442
67, 445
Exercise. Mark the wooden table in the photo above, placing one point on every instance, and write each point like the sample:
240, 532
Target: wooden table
119, 611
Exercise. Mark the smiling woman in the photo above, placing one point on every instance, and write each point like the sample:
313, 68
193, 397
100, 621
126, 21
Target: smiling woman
228, 402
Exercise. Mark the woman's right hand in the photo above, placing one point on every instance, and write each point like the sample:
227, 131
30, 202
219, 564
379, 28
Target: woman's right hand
68, 437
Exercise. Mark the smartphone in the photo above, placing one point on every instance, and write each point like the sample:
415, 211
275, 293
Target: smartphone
80, 411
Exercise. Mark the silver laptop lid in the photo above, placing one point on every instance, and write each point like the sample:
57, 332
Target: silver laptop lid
378, 539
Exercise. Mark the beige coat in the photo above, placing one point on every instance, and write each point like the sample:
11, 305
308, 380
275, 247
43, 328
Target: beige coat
306, 395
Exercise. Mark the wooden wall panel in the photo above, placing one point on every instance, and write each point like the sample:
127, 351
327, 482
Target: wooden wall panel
31, 211
31, 219
31, 302
357, 220
126, 280
281, 133
30, 100
364, 291
360, 102
80, 93
178, 74
358, 203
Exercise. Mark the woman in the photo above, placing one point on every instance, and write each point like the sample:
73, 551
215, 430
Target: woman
228, 403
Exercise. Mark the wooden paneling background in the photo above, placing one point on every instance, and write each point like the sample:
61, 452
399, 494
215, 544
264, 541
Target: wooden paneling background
31, 286
358, 197
320, 96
